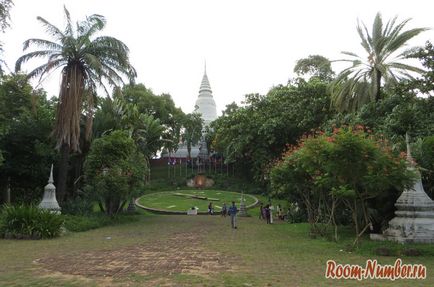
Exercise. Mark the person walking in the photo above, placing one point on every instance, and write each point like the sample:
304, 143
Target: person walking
279, 212
233, 214
210, 209
261, 211
267, 213
224, 209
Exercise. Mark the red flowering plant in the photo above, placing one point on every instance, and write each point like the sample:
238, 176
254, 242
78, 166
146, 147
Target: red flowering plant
331, 173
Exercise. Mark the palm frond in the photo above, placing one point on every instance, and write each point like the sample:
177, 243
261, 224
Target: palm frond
32, 55
41, 43
51, 29
68, 29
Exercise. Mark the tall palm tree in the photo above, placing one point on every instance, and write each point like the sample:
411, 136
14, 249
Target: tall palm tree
87, 62
361, 83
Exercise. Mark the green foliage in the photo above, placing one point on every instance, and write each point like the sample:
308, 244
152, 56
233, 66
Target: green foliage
78, 206
252, 135
426, 161
117, 114
316, 66
76, 223
425, 84
328, 173
114, 170
30, 222
5, 6
87, 60
160, 107
15, 99
26, 122
192, 130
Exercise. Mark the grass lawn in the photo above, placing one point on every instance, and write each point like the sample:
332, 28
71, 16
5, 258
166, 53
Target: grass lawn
181, 200
180, 250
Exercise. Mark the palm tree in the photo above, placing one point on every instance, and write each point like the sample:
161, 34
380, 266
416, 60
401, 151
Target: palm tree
87, 62
361, 83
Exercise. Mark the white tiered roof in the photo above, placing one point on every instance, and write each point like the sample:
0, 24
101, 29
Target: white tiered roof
205, 104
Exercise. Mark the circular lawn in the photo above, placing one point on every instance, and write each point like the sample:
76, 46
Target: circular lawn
179, 201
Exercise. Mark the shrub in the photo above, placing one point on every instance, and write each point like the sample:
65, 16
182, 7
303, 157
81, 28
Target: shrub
83, 223
114, 171
338, 173
78, 206
30, 222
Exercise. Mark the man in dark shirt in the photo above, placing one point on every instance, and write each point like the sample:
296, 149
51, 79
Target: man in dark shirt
233, 213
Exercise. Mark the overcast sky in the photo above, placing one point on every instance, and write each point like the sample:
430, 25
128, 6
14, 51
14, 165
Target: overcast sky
249, 46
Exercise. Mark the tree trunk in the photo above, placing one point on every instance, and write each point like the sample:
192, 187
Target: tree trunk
377, 85
189, 150
101, 206
63, 172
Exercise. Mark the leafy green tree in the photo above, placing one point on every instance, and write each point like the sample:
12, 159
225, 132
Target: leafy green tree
315, 66
87, 61
425, 84
230, 108
361, 83
159, 107
117, 114
15, 98
253, 135
114, 171
26, 121
192, 132
5, 6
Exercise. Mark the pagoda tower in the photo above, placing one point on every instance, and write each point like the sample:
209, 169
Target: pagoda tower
205, 104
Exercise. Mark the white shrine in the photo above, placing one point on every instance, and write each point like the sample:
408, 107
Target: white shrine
414, 217
205, 105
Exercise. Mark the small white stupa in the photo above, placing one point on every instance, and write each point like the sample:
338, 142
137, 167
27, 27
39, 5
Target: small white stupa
414, 217
49, 200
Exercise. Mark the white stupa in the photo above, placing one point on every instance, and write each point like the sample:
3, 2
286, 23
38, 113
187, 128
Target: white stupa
205, 105
414, 217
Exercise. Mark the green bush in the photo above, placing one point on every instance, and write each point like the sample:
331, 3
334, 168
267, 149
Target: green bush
29, 222
76, 223
114, 171
338, 173
78, 206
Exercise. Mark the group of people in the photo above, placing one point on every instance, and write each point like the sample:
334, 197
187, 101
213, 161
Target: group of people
266, 212
231, 211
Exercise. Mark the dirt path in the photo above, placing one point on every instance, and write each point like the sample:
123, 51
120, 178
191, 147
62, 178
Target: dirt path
182, 253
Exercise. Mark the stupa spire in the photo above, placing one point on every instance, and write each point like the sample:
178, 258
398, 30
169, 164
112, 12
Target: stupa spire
205, 102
